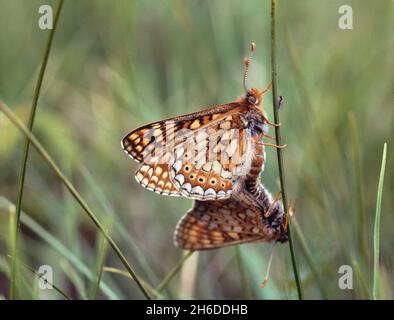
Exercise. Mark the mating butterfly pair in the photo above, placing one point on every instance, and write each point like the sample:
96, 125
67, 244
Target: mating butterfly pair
215, 157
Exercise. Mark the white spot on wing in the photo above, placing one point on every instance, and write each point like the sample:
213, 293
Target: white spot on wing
226, 174
221, 193
187, 187
197, 190
180, 178
139, 176
210, 192
177, 166
180, 152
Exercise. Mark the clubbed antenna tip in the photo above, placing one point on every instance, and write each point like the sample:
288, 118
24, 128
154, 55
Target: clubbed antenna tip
247, 63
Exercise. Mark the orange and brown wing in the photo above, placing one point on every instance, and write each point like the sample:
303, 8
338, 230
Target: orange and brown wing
140, 142
209, 164
216, 224
155, 177
156, 146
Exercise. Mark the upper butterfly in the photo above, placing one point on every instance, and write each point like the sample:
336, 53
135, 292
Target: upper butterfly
202, 155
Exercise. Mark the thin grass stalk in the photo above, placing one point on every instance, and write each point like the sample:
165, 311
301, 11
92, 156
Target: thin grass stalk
101, 256
37, 145
361, 279
22, 172
119, 227
152, 290
376, 233
309, 258
278, 139
173, 272
57, 289
55, 244
242, 272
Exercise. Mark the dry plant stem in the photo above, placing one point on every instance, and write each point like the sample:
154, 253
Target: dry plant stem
127, 275
278, 150
22, 172
36, 144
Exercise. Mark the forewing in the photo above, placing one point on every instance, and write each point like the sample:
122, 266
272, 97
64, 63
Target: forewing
141, 142
158, 146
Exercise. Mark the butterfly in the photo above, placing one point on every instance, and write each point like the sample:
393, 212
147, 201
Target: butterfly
216, 224
215, 157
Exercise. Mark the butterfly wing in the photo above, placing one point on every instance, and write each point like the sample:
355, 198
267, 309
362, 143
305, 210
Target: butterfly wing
215, 224
153, 137
164, 150
208, 165
155, 177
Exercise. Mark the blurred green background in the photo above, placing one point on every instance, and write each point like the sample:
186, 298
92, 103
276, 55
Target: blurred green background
116, 65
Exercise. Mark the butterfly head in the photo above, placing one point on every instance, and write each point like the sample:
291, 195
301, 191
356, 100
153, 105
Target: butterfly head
254, 97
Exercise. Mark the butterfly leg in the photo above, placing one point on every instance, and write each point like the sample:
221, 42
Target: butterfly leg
290, 212
267, 275
274, 124
270, 123
277, 198
275, 145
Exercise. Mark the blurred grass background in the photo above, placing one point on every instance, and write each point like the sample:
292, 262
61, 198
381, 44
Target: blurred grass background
117, 65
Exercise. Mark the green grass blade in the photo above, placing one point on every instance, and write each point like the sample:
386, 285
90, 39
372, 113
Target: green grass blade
279, 151
360, 276
309, 258
22, 172
173, 272
57, 289
376, 233
16, 121
247, 292
75, 278
152, 291
100, 261
119, 227
32, 225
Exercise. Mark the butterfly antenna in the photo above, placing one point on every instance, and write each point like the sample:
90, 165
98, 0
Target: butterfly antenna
267, 275
247, 63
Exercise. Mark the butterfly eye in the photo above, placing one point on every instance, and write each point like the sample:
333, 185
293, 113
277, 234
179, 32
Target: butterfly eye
252, 100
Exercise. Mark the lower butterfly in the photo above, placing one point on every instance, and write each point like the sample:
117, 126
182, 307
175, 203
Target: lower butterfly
216, 224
